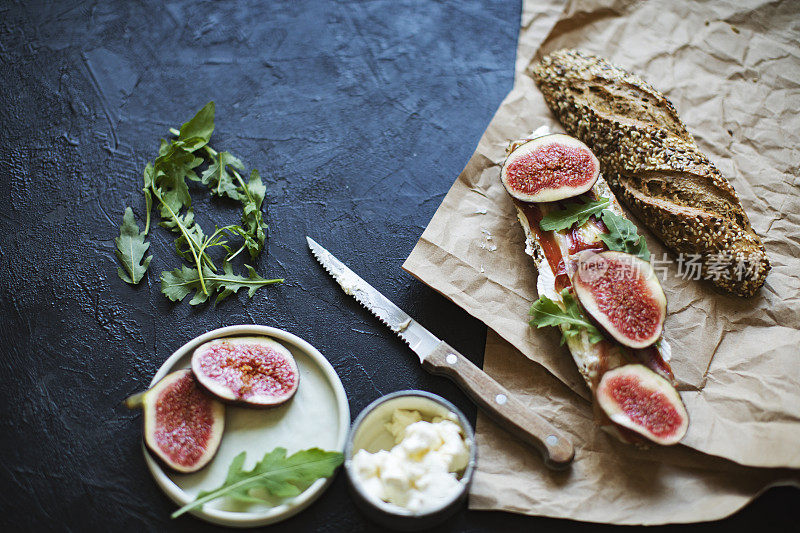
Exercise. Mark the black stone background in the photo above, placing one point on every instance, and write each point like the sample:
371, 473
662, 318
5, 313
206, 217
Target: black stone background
359, 116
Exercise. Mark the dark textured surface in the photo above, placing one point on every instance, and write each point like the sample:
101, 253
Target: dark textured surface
359, 116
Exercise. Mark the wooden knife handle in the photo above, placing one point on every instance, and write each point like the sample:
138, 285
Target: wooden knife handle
498, 403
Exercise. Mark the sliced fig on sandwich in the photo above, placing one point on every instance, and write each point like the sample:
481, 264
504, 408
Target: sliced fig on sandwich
256, 371
623, 295
550, 168
638, 399
182, 422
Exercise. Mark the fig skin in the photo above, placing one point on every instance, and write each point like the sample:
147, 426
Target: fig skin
636, 398
609, 283
181, 381
572, 152
283, 374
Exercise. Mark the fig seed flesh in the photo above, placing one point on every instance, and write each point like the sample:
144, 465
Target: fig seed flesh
257, 371
623, 295
182, 423
637, 398
549, 168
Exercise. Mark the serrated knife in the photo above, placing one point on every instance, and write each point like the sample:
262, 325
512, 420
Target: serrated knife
438, 357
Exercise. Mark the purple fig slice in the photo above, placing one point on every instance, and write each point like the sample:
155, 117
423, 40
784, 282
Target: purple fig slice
635, 397
182, 423
257, 371
622, 294
549, 168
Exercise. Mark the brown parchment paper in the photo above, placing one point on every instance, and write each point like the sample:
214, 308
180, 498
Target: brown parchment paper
733, 71
607, 482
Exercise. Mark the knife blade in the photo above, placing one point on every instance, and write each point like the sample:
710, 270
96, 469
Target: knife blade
440, 358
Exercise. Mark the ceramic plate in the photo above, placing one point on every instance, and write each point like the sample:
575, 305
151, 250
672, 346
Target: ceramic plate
318, 415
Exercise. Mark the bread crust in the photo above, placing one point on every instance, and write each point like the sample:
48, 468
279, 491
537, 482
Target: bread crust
653, 164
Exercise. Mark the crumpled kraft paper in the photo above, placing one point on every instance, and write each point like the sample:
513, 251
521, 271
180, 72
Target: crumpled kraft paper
733, 73
607, 482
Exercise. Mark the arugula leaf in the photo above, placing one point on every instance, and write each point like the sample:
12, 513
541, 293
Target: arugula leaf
217, 177
179, 283
623, 237
169, 174
130, 251
164, 146
229, 283
546, 312
200, 126
255, 190
281, 476
149, 179
252, 219
575, 213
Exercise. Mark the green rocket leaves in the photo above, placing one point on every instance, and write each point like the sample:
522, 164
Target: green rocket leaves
546, 312
165, 187
276, 474
622, 236
575, 213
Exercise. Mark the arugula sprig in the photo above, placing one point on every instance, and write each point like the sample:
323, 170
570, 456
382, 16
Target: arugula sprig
223, 179
280, 476
165, 187
177, 284
546, 312
622, 234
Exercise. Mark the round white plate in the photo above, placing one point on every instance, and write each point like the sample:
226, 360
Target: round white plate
317, 416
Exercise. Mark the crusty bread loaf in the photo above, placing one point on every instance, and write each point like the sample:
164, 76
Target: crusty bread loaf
654, 165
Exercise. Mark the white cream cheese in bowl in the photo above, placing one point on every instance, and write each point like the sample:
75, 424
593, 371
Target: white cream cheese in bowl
409, 459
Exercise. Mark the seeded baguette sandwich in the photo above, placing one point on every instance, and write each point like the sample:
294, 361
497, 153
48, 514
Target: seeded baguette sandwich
595, 283
654, 165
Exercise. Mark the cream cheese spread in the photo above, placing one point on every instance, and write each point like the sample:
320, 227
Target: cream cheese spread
419, 472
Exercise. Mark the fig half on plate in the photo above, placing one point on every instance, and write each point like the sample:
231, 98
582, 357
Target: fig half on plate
182, 423
256, 371
623, 295
550, 168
